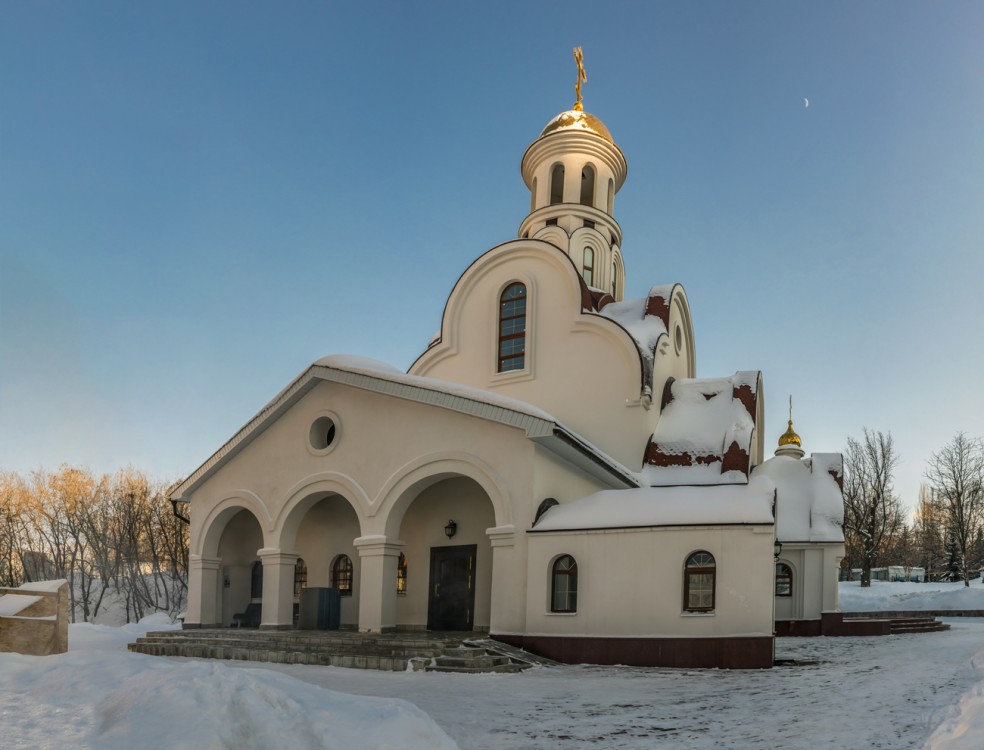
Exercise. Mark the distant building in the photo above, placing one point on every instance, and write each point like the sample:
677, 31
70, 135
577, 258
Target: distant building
550, 470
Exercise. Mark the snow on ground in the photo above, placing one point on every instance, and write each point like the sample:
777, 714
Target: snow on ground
99, 695
858, 693
885, 596
914, 692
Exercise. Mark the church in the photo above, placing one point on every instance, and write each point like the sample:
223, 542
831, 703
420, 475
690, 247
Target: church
549, 471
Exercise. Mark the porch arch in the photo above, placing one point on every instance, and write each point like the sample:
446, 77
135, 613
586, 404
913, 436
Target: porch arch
411, 479
307, 493
207, 543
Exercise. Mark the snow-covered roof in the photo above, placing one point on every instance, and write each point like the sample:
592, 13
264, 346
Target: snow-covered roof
645, 329
380, 377
810, 502
722, 505
705, 431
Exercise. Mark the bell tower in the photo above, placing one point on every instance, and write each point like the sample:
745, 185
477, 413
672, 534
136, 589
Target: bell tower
573, 171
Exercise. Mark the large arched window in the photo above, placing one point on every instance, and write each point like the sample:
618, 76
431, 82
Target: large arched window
563, 585
698, 582
588, 266
341, 574
512, 328
256, 581
784, 580
557, 184
587, 185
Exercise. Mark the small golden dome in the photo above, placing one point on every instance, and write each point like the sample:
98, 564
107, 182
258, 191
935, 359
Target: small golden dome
574, 119
789, 437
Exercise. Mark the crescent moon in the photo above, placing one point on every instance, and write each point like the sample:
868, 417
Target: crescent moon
806, 103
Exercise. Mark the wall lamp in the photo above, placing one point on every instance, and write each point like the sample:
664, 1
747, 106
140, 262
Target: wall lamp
777, 549
451, 529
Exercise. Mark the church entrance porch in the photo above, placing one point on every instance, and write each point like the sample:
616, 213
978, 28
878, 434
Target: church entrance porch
451, 603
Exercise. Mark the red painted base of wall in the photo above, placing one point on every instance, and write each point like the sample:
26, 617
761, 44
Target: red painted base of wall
832, 624
705, 653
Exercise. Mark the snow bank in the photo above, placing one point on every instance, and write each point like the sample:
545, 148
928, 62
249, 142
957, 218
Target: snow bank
898, 597
964, 728
100, 696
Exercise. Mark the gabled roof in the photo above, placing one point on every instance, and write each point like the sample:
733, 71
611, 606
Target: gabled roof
379, 377
705, 431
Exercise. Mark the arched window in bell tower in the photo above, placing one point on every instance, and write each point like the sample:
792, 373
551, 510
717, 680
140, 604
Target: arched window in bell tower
557, 184
533, 196
611, 197
587, 185
588, 266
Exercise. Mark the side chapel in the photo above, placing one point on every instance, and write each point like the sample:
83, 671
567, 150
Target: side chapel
550, 470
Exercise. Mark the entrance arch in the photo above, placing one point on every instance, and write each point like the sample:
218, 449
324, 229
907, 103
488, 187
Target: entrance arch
240, 570
448, 557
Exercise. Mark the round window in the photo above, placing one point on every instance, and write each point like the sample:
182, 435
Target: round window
322, 433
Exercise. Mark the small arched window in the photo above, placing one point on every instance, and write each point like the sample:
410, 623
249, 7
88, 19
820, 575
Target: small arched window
587, 185
611, 196
563, 585
341, 574
698, 582
614, 279
300, 577
401, 575
784, 580
512, 328
256, 581
588, 266
533, 196
557, 184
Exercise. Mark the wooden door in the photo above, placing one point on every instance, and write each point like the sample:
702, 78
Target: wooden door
451, 601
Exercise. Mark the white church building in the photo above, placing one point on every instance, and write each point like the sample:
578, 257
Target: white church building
550, 470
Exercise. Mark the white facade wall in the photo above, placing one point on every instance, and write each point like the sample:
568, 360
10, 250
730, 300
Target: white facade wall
630, 582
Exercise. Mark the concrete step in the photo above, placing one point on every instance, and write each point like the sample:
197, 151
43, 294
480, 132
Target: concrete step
501, 668
395, 652
146, 645
478, 663
919, 627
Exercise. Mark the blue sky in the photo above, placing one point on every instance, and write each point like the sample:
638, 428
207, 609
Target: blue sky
199, 199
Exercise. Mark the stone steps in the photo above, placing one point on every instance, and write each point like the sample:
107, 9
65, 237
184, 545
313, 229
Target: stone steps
470, 659
904, 625
391, 652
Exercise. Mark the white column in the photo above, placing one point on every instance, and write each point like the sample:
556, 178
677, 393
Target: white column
508, 613
203, 592
278, 589
377, 582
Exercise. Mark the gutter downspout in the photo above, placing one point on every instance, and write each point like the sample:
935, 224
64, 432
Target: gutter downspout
174, 508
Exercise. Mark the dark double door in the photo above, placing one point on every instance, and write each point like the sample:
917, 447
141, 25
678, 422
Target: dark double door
451, 601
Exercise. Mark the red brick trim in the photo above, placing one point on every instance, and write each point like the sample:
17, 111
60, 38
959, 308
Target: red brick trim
754, 652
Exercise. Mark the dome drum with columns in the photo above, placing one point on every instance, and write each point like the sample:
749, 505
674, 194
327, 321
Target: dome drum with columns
591, 522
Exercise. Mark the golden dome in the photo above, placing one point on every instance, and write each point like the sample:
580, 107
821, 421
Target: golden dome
789, 437
575, 119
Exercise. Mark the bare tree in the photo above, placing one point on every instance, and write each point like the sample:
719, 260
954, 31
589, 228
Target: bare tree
872, 510
930, 534
956, 474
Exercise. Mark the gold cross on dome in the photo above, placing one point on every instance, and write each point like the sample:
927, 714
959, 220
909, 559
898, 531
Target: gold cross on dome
581, 77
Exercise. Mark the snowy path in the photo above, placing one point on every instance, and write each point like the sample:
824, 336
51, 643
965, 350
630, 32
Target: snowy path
888, 693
